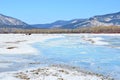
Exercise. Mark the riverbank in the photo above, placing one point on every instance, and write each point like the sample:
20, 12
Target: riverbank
53, 72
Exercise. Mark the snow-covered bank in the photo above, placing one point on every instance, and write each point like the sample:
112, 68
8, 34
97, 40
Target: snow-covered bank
95, 40
53, 73
21, 43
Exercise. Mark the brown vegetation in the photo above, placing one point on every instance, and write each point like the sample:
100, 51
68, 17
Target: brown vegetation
100, 29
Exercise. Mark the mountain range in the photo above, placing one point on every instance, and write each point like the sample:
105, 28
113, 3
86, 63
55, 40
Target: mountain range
112, 19
10, 22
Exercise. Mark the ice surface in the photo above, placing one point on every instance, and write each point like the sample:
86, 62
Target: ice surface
99, 53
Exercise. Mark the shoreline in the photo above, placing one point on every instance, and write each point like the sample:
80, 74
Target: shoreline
54, 72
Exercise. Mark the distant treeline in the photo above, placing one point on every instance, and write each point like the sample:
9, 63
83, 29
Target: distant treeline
100, 29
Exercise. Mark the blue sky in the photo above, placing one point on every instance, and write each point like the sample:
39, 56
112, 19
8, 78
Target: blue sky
47, 11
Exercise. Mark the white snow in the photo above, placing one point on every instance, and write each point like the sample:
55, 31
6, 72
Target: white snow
21, 43
51, 73
7, 76
96, 40
74, 21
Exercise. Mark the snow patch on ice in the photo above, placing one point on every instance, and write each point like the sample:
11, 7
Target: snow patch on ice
95, 40
21, 43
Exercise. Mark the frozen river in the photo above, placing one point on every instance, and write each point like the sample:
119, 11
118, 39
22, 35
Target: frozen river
97, 53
